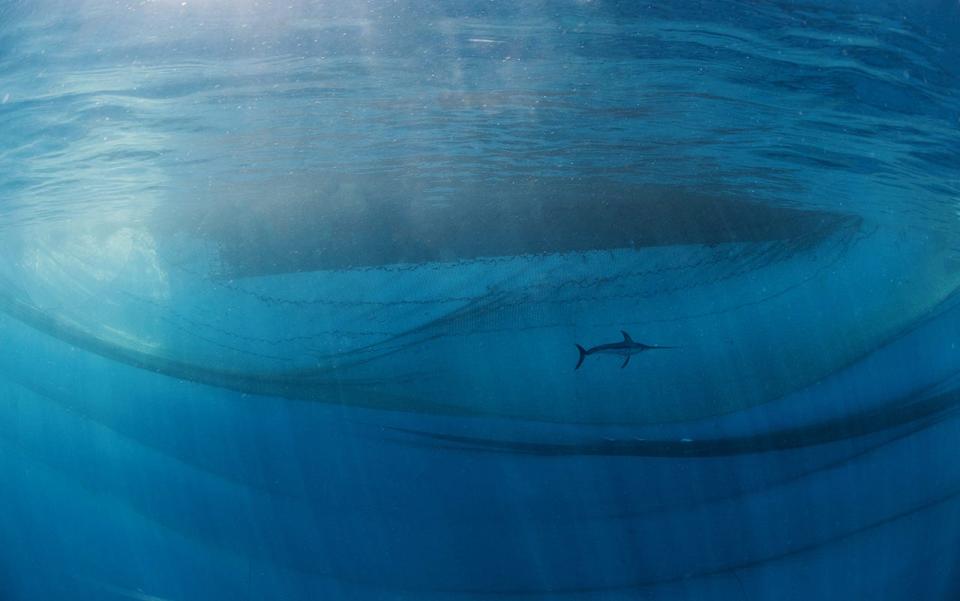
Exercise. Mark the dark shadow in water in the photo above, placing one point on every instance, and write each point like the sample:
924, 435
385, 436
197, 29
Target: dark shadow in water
387, 225
898, 413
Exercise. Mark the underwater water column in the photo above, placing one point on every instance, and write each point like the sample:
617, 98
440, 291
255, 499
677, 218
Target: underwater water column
457, 300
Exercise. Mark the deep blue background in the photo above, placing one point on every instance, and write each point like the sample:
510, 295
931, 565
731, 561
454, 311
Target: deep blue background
193, 407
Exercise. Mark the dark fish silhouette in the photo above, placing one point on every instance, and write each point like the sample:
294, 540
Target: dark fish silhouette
627, 348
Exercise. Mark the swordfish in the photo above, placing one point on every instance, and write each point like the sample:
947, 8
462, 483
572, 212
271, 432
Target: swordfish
626, 348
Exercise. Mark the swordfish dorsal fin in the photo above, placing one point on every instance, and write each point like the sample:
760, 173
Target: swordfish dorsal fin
626, 337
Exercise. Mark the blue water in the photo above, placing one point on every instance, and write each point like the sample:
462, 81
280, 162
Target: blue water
290, 294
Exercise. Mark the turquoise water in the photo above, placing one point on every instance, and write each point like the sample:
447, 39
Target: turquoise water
291, 294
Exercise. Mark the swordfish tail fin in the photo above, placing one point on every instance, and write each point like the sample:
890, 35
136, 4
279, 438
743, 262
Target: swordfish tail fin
583, 355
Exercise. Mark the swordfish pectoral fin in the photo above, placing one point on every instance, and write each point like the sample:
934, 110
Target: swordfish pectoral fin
625, 361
